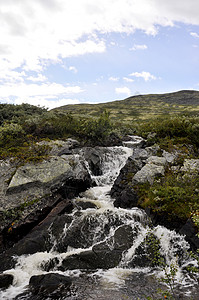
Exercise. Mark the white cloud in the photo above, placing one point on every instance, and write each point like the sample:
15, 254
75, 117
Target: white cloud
45, 89
38, 78
138, 47
145, 75
114, 79
36, 32
44, 94
73, 69
128, 79
50, 104
123, 90
194, 34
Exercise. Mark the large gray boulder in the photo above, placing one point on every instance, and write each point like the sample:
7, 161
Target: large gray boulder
50, 175
28, 193
155, 166
148, 173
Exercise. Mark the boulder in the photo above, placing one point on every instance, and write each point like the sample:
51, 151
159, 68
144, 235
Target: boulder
5, 280
157, 160
134, 141
190, 166
143, 154
170, 157
59, 147
49, 174
122, 190
103, 255
48, 286
149, 172
94, 158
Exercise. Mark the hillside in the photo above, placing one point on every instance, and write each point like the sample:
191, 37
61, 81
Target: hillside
141, 107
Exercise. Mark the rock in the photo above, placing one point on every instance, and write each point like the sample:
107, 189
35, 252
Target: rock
143, 154
134, 141
84, 204
189, 230
127, 199
58, 146
103, 255
170, 157
50, 285
148, 173
5, 280
34, 189
43, 174
122, 190
140, 154
94, 158
156, 160
67, 174
190, 165
146, 254
151, 138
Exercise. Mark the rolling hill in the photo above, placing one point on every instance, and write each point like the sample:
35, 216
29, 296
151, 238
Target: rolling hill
140, 107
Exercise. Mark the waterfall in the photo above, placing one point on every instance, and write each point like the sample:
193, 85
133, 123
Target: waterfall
102, 241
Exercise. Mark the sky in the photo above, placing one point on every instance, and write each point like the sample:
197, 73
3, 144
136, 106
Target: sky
58, 52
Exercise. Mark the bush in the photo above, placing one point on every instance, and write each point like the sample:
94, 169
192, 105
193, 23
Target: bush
11, 134
178, 129
176, 195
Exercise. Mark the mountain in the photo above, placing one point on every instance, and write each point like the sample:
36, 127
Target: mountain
141, 106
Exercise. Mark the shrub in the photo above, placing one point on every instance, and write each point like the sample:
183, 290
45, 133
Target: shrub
174, 195
178, 129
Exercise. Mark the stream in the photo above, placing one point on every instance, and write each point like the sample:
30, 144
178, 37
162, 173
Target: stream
107, 251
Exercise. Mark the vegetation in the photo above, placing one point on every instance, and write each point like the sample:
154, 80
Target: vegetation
19, 135
22, 126
141, 107
173, 195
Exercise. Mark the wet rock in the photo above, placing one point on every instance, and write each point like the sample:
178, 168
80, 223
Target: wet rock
134, 141
34, 190
147, 254
5, 280
122, 190
84, 204
49, 286
127, 199
189, 230
94, 158
105, 255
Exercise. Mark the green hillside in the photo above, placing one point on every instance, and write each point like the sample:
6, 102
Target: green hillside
140, 107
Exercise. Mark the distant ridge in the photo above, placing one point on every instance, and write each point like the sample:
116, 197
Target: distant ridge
141, 106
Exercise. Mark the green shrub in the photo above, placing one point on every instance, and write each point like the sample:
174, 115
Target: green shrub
174, 195
178, 129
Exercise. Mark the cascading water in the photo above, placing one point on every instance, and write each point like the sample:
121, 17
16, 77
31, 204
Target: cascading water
106, 250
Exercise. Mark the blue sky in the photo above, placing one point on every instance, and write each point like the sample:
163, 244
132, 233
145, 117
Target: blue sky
58, 52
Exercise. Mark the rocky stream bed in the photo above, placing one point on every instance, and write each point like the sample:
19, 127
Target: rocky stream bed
71, 227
